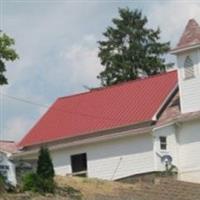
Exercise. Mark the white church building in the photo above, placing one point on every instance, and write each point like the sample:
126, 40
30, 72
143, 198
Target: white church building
132, 128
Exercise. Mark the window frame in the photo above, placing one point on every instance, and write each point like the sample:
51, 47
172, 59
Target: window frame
75, 158
189, 71
163, 144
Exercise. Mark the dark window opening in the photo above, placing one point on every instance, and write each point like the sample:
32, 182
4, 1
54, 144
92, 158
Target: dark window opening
79, 164
163, 143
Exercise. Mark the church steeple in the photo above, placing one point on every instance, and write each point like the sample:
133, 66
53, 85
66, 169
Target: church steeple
187, 52
190, 37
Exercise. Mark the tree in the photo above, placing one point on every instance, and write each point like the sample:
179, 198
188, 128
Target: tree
131, 49
44, 165
7, 53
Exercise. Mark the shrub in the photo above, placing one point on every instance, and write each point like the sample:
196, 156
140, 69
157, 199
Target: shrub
45, 166
2, 184
30, 182
33, 182
47, 185
169, 171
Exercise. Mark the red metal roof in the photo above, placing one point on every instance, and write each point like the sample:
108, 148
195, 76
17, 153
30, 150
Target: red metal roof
8, 146
190, 36
101, 109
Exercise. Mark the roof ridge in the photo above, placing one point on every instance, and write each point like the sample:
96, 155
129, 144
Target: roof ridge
118, 85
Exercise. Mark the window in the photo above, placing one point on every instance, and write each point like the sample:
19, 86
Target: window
163, 143
188, 68
79, 164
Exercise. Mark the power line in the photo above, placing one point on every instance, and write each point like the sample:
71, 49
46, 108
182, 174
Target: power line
58, 110
24, 100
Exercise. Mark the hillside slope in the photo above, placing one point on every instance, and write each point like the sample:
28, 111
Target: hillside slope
93, 189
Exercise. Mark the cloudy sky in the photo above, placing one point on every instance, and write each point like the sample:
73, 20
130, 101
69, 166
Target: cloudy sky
57, 44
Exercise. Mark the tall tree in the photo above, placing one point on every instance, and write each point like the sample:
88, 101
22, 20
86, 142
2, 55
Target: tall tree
131, 49
7, 53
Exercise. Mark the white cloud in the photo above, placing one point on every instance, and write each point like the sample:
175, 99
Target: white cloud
41, 32
84, 61
172, 17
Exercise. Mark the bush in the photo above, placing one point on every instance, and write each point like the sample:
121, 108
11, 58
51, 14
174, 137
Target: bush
47, 185
33, 182
30, 182
44, 165
2, 184
170, 171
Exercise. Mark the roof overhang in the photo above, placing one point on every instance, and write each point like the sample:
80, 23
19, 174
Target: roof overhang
189, 117
179, 120
92, 134
97, 138
7, 154
186, 48
165, 103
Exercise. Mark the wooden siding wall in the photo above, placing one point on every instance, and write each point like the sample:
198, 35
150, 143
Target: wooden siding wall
112, 159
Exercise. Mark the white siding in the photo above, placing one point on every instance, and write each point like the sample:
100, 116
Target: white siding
111, 159
189, 89
170, 133
132, 155
189, 151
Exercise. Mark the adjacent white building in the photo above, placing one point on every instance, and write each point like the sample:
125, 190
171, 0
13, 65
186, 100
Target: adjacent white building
7, 167
125, 130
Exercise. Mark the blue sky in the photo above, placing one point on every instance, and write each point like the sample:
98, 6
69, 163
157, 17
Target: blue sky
57, 44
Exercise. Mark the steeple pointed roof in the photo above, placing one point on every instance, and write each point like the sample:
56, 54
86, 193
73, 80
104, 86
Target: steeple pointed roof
190, 36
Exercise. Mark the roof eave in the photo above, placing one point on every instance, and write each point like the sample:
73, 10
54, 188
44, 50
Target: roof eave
194, 116
87, 141
7, 153
165, 102
186, 48
180, 119
93, 134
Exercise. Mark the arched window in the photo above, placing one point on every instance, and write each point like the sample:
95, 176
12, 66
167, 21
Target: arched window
188, 68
